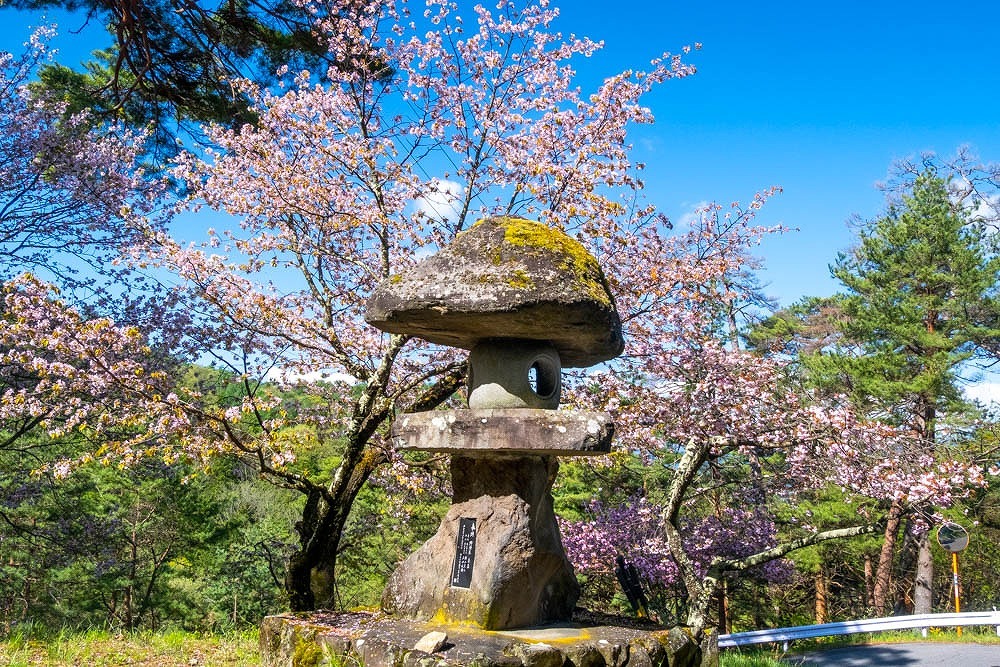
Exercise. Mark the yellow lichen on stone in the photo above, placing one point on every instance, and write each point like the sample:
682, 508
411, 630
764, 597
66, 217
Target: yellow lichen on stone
520, 280
530, 234
307, 652
573, 257
443, 620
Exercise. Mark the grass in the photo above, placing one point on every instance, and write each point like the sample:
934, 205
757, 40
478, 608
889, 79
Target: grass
751, 658
144, 649
972, 635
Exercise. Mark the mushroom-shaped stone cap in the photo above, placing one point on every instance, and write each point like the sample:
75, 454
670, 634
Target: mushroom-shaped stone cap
505, 278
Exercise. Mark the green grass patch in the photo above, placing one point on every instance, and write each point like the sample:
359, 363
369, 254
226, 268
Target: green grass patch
750, 658
143, 649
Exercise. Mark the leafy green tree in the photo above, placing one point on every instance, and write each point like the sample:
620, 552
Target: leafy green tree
386, 525
234, 581
980, 515
920, 304
103, 546
832, 582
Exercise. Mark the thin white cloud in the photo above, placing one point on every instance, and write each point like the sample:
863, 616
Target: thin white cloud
289, 377
985, 208
694, 213
984, 392
978, 207
442, 200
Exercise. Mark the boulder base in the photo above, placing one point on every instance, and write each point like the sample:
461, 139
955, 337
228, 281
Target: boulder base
373, 640
521, 576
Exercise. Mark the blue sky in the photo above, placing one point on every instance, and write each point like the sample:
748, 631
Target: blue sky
816, 97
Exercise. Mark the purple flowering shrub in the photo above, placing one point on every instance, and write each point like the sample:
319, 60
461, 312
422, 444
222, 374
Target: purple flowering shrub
634, 531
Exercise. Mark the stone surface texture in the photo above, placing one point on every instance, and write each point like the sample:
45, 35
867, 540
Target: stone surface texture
521, 576
373, 640
432, 642
505, 278
500, 373
505, 431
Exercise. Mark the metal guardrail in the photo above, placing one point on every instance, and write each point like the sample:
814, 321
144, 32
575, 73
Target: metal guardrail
921, 621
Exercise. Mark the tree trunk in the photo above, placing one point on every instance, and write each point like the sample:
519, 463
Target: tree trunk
883, 572
869, 582
699, 605
310, 580
723, 608
923, 599
127, 601
821, 596
298, 583
758, 607
906, 570
923, 580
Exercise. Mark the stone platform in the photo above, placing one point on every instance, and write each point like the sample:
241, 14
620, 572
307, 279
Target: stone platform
376, 640
505, 431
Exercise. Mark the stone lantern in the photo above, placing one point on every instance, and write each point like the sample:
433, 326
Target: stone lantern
526, 300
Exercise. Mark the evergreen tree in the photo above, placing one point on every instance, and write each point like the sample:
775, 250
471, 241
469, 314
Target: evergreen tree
921, 302
171, 64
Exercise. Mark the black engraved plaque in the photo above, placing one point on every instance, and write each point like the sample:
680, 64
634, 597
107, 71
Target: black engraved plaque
465, 553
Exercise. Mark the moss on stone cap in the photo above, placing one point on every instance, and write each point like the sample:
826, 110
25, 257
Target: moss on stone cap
529, 237
505, 277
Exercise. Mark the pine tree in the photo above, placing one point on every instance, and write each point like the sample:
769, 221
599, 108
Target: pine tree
920, 302
172, 64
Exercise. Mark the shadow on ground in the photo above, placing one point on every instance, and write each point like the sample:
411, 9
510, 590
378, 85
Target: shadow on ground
901, 655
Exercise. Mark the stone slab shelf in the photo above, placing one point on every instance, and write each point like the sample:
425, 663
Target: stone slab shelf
514, 431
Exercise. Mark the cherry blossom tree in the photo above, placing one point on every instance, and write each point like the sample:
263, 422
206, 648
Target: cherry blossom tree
346, 178
634, 530
66, 186
59, 371
66, 190
682, 393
